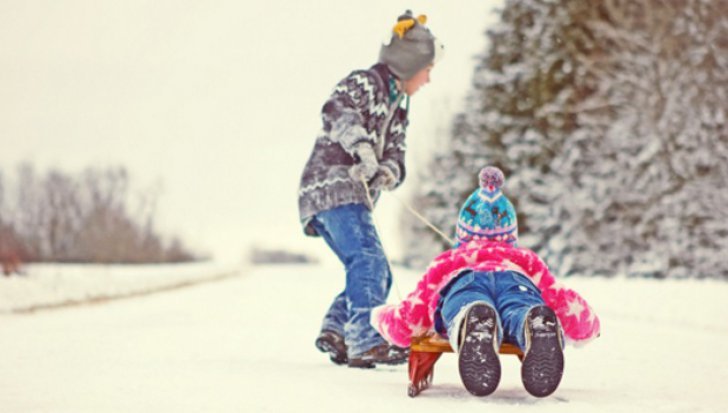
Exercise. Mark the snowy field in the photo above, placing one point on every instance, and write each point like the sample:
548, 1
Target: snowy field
245, 344
45, 286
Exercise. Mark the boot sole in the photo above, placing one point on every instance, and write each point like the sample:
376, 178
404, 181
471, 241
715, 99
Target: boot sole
361, 364
478, 362
543, 364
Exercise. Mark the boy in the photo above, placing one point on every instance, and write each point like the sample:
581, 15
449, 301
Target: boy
362, 146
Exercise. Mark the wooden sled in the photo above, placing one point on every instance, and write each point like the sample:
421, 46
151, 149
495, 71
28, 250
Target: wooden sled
425, 351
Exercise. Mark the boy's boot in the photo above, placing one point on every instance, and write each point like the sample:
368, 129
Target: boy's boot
478, 361
332, 343
381, 354
543, 362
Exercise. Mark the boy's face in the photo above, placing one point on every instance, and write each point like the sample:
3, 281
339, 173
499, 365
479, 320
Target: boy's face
421, 78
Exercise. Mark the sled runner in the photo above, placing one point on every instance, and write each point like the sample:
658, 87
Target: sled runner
425, 351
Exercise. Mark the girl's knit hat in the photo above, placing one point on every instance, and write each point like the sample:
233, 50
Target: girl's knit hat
411, 48
487, 213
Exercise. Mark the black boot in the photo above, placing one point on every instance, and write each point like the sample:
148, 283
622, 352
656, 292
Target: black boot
332, 343
381, 354
478, 361
543, 362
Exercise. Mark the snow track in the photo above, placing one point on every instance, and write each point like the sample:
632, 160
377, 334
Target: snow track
246, 344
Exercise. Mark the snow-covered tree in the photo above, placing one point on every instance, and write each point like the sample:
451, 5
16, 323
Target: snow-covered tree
512, 121
609, 120
646, 193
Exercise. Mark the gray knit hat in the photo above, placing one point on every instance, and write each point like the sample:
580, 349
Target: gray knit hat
411, 48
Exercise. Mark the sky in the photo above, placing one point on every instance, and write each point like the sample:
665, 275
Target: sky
215, 103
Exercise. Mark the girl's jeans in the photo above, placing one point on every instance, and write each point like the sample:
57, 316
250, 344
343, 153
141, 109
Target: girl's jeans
510, 293
350, 233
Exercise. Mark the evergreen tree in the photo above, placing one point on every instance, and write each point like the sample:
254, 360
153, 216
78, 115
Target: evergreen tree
608, 118
643, 195
513, 121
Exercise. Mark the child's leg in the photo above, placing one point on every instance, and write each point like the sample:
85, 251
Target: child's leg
543, 361
331, 337
350, 233
336, 315
468, 289
516, 295
533, 326
468, 312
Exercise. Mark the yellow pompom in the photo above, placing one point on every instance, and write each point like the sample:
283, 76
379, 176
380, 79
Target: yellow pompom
401, 27
422, 19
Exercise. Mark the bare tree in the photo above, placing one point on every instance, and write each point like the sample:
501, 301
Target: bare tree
88, 218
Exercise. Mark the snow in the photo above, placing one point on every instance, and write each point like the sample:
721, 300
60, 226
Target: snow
57, 285
245, 344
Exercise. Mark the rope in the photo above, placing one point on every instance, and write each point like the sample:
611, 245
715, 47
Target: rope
414, 212
423, 219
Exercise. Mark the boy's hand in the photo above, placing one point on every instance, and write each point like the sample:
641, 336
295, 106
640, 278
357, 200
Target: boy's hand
367, 166
362, 171
384, 179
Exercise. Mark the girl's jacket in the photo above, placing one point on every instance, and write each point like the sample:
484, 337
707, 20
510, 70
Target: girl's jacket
412, 317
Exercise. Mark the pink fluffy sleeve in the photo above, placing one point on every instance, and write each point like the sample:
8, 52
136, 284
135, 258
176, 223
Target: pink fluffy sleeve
398, 323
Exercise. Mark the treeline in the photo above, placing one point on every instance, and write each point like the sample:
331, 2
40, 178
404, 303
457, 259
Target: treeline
89, 217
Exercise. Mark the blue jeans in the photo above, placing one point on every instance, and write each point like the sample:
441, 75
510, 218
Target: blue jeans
350, 233
510, 293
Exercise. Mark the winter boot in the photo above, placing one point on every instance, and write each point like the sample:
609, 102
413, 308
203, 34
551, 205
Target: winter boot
381, 354
332, 343
543, 362
478, 361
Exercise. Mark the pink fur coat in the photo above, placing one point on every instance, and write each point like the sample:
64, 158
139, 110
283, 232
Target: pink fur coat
414, 315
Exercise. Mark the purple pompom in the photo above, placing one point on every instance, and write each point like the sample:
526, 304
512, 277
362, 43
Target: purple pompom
492, 177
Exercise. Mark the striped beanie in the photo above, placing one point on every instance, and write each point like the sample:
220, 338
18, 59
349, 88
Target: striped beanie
487, 213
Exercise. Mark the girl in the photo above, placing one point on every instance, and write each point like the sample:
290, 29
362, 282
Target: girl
486, 291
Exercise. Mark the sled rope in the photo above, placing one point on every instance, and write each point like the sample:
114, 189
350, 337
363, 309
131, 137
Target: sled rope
423, 219
376, 225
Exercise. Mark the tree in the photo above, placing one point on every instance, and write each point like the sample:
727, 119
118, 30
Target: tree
648, 184
92, 217
609, 120
518, 114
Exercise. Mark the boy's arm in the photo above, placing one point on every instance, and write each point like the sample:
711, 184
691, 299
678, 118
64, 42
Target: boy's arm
392, 171
346, 124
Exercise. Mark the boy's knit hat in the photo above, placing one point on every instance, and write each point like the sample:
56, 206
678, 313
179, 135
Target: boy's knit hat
487, 213
411, 48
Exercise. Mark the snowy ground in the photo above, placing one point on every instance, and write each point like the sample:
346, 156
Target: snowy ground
45, 286
244, 344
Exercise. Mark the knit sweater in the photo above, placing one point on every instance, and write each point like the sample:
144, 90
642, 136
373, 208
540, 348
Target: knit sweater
414, 316
359, 111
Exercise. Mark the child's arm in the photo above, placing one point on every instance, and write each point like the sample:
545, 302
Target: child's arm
578, 319
392, 171
344, 115
397, 323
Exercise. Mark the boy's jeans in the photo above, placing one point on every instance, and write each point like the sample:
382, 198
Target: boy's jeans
350, 233
511, 294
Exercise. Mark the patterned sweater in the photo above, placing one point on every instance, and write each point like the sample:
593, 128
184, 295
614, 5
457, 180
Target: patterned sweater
361, 109
415, 314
